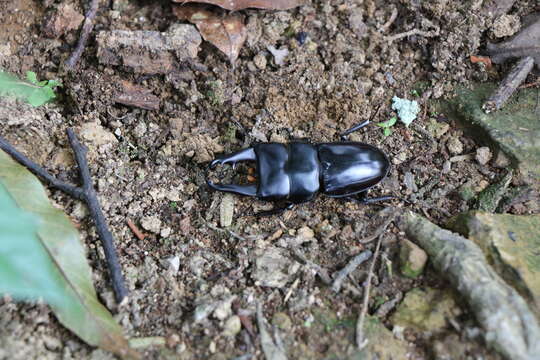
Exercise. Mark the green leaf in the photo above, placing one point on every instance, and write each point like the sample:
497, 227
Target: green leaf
392, 121
41, 256
31, 93
40, 96
32, 77
387, 131
388, 123
54, 83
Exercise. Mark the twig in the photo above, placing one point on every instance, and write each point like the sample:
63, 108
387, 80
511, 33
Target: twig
390, 21
379, 230
509, 85
385, 308
360, 341
533, 84
230, 232
85, 193
411, 33
85, 33
323, 274
353, 264
138, 233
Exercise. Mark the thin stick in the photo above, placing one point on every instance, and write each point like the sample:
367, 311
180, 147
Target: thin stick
138, 233
360, 341
509, 85
390, 21
69, 189
349, 268
379, 230
323, 274
85, 193
411, 33
85, 34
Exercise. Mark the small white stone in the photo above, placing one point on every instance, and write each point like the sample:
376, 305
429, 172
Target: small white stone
174, 264
483, 155
165, 232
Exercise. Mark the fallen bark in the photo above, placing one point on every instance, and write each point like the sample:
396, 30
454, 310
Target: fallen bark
509, 325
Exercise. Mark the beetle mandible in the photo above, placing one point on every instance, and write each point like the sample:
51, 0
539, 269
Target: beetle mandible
295, 172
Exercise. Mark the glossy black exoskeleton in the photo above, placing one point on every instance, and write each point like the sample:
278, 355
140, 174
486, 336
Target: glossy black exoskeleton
294, 173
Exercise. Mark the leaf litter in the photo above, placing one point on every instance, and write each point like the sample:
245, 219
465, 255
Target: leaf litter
44, 258
227, 32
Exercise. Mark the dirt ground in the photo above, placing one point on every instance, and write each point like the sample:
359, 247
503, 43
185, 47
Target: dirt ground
149, 166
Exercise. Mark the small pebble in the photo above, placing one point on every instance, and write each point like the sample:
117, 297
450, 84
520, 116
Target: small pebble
232, 326
455, 146
483, 155
260, 61
501, 160
174, 264
151, 223
505, 25
165, 232
447, 167
52, 343
409, 182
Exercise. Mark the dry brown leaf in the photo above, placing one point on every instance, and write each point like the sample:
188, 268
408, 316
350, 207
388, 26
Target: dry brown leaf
244, 4
226, 32
524, 43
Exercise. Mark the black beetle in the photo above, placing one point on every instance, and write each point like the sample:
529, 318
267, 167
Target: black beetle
295, 172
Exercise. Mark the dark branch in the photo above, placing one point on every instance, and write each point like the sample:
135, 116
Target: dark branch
85, 193
92, 201
85, 34
39, 171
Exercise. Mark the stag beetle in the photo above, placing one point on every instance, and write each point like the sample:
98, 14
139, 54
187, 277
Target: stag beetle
295, 172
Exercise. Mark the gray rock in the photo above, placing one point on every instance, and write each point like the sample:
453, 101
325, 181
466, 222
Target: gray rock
274, 268
483, 155
151, 223
455, 146
232, 326
96, 134
425, 310
412, 258
514, 130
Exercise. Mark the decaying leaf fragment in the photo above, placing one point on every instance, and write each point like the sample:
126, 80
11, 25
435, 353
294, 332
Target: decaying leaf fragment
244, 4
525, 43
226, 32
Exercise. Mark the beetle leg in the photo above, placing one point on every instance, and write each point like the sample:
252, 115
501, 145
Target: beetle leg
362, 199
275, 211
356, 127
242, 155
247, 190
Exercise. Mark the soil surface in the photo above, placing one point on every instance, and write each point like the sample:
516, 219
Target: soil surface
149, 167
